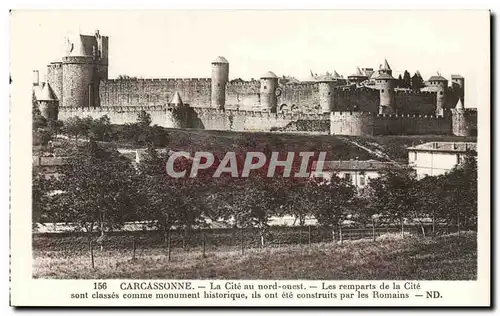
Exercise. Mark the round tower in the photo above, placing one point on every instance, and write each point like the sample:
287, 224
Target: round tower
78, 77
326, 93
176, 115
458, 84
386, 84
47, 103
55, 79
220, 77
460, 121
439, 84
268, 87
352, 123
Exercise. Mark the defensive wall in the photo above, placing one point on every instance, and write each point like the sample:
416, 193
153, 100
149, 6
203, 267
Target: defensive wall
245, 95
367, 123
205, 118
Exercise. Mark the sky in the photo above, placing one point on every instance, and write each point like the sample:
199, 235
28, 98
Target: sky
171, 44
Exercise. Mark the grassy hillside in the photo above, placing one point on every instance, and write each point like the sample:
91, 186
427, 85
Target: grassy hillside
396, 146
224, 141
337, 147
449, 257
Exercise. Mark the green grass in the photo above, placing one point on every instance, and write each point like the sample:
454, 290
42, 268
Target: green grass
448, 257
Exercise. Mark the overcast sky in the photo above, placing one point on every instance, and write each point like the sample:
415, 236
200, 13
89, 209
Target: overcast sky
163, 44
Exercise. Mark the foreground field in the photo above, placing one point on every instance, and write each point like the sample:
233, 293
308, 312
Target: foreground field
449, 257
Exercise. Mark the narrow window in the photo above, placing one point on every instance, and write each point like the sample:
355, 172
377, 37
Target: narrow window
348, 177
362, 180
90, 95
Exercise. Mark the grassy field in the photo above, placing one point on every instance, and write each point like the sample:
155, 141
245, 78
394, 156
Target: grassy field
448, 257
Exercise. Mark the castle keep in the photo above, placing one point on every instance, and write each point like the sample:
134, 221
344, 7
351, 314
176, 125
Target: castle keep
368, 102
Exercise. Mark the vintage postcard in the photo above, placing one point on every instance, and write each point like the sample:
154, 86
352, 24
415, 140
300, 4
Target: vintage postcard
250, 158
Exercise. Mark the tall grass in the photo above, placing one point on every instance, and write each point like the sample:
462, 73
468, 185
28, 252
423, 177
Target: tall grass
448, 257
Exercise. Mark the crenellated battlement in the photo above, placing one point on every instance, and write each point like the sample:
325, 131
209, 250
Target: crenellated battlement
81, 88
352, 114
415, 93
262, 114
117, 109
55, 65
243, 84
405, 116
124, 80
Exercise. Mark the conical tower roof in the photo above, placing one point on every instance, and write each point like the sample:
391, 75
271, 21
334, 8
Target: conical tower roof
220, 60
336, 75
386, 66
460, 105
269, 74
46, 94
78, 48
176, 100
358, 72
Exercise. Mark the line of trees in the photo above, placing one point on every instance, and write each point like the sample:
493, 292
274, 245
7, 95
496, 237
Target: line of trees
139, 133
414, 82
101, 189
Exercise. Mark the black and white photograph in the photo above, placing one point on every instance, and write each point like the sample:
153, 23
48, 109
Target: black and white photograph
235, 145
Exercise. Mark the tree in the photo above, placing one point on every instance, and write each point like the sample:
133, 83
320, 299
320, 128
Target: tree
416, 82
73, 127
54, 127
400, 82
144, 119
394, 194
99, 189
38, 120
100, 128
163, 200
39, 194
331, 201
459, 194
406, 79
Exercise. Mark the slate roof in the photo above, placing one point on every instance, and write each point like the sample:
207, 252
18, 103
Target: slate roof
363, 165
459, 147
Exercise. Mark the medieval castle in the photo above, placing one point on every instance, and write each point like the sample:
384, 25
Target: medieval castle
367, 102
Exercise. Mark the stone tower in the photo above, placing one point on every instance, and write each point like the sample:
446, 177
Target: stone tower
176, 115
326, 93
439, 84
47, 103
464, 123
458, 85
55, 79
220, 77
386, 83
268, 87
79, 77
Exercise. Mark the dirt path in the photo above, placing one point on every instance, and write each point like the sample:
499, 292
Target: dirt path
377, 153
